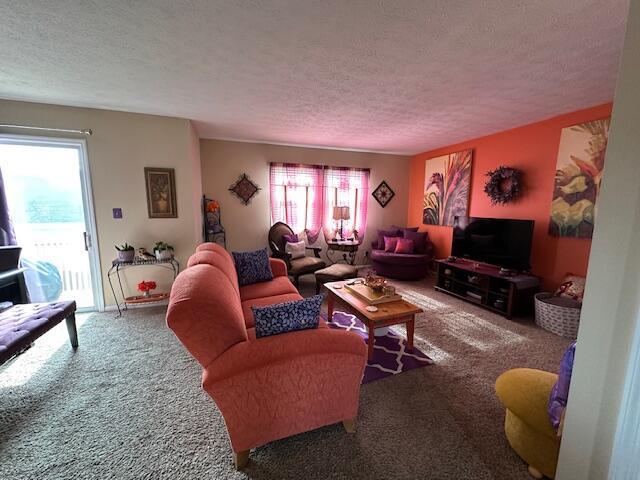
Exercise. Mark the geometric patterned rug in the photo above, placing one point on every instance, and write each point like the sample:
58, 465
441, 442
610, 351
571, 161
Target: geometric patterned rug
389, 354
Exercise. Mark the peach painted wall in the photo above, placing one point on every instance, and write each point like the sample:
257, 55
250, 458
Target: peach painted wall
533, 149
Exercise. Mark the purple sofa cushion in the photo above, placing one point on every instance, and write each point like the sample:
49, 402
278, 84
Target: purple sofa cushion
419, 240
385, 233
390, 243
404, 245
401, 230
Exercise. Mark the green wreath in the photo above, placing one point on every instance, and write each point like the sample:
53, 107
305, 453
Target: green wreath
504, 184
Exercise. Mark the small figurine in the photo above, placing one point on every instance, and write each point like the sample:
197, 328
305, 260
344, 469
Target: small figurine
143, 255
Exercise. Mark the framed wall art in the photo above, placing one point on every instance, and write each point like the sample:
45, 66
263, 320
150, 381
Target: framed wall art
161, 192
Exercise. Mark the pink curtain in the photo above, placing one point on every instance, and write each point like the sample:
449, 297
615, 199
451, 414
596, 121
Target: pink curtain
297, 197
346, 187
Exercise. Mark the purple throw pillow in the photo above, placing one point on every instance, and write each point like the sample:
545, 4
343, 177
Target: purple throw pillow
293, 238
560, 391
385, 233
419, 241
401, 230
390, 244
404, 245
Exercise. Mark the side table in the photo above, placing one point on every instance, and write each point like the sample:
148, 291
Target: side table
348, 248
117, 266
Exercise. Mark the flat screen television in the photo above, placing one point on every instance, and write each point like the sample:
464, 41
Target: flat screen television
498, 241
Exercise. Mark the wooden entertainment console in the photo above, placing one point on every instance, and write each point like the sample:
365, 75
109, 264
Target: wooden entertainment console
482, 284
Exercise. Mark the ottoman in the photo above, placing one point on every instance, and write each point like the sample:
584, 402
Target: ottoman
333, 273
22, 324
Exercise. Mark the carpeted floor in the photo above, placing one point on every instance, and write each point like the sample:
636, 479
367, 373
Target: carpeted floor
128, 404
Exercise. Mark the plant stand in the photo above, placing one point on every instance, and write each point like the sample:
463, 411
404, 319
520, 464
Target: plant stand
116, 267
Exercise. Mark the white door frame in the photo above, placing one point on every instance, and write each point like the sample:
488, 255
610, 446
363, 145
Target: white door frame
87, 200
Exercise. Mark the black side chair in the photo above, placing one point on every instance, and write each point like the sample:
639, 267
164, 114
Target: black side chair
298, 266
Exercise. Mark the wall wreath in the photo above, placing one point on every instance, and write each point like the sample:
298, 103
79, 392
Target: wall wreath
504, 184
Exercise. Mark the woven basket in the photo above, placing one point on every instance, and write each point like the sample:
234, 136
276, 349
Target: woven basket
559, 319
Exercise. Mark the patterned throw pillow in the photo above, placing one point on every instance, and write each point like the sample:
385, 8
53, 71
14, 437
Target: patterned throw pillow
404, 245
295, 249
560, 391
287, 317
572, 287
252, 267
390, 244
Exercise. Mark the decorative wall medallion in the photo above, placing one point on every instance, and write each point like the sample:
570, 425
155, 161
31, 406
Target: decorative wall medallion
383, 194
504, 184
244, 189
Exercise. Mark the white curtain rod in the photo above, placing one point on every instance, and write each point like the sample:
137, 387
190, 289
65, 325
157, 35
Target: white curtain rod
86, 131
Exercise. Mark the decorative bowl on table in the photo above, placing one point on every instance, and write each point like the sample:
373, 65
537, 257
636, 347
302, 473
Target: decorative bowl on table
375, 283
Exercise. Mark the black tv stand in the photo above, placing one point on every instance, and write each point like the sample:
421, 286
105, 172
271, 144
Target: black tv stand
482, 284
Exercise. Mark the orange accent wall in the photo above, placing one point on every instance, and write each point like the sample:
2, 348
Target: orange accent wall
533, 149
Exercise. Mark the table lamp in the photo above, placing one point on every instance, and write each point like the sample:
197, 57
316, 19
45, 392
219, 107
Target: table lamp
342, 214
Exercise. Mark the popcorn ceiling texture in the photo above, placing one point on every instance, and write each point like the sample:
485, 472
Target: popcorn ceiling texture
404, 76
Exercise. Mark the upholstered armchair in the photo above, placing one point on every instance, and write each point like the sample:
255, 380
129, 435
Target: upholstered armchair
299, 266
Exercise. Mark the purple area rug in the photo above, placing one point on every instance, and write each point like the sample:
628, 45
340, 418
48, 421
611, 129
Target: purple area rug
389, 355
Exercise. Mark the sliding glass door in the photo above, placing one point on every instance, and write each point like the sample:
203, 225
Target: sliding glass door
47, 189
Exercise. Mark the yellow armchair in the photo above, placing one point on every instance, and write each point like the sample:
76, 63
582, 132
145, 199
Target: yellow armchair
525, 393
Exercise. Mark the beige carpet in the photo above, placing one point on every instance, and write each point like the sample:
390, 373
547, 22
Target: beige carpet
128, 405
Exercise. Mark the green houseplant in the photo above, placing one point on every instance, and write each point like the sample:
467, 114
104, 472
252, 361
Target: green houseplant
163, 251
125, 252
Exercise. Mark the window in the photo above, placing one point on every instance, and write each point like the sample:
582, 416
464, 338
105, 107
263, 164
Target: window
346, 187
303, 197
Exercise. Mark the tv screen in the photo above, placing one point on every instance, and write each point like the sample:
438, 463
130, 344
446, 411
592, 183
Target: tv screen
498, 241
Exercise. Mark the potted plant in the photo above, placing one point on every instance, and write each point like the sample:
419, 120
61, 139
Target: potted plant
163, 251
125, 252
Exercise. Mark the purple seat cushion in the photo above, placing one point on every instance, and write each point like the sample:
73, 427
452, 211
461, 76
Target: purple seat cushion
419, 240
386, 233
22, 324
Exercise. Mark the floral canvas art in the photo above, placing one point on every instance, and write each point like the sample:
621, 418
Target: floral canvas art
578, 175
446, 189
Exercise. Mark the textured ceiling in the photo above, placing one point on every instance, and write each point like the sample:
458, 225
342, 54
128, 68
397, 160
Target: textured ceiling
395, 76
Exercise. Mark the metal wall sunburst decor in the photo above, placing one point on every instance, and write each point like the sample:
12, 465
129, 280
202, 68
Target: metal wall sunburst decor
383, 194
244, 189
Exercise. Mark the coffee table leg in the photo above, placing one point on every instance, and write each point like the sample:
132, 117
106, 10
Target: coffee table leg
410, 328
330, 302
370, 341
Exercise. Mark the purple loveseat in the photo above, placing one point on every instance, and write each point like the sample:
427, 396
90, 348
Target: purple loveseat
402, 266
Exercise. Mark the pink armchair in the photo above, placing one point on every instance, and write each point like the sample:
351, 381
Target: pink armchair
267, 388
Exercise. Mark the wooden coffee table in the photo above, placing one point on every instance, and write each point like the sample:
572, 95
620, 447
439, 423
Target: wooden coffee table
392, 313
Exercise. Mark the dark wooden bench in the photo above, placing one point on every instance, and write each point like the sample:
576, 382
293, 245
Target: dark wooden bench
21, 325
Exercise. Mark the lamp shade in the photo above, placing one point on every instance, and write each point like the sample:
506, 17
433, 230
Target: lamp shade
341, 213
